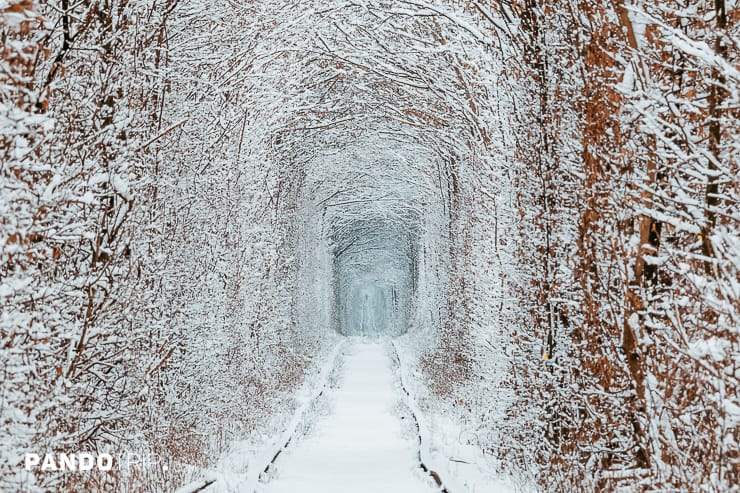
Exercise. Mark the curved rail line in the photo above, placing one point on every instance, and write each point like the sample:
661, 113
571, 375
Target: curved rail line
411, 405
319, 391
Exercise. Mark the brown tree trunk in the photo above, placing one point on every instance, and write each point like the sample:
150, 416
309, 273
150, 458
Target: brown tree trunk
717, 95
601, 130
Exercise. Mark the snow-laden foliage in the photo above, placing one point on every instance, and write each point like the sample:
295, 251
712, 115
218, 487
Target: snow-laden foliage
540, 198
641, 214
75, 362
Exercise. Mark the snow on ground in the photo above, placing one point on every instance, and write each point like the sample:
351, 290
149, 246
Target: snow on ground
359, 447
446, 449
359, 443
238, 470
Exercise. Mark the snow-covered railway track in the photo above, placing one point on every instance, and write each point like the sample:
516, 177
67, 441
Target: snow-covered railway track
415, 415
360, 446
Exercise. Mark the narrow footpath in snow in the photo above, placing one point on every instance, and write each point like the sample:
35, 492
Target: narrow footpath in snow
359, 447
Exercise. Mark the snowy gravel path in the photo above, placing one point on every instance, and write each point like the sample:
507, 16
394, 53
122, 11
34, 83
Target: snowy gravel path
359, 447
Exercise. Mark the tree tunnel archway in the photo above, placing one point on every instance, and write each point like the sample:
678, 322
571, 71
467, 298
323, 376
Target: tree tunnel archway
370, 143
368, 212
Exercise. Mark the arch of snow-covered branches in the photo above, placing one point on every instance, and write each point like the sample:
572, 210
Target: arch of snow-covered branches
537, 199
371, 213
372, 155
